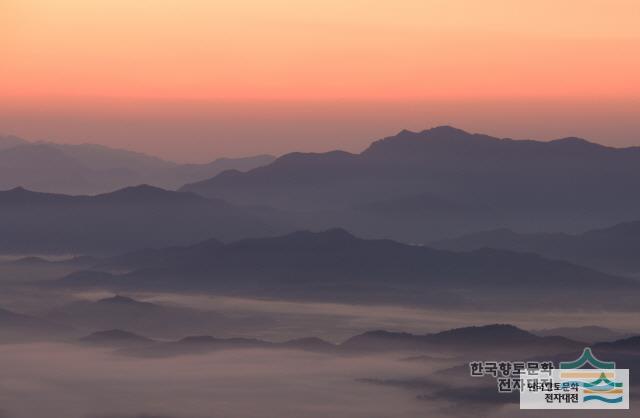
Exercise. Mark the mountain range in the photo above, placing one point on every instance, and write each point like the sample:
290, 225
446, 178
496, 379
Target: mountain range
336, 266
413, 187
628, 345
92, 169
150, 319
115, 338
124, 220
614, 249
480, 341
588, 333
138, 320
443, 182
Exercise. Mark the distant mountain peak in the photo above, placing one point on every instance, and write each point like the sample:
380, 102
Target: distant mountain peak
380, 333
573, 141
445, 130
441, 130
412, 144
114, 336
18, 189
140, 189
405, 132
493, 329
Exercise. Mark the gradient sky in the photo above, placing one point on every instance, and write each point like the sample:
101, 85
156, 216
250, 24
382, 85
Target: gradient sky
191, 79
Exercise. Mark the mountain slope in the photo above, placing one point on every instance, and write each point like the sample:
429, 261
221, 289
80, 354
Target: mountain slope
116, 338
588, 334
152, 319
614, 249
494, 339
10, 141
484, 340
444, 181
630, 344
334, 265
124, 220
135, 345
91, 168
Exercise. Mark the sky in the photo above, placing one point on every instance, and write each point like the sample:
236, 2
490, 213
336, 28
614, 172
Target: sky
190, 80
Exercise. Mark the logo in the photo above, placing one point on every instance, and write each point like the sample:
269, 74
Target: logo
572, 386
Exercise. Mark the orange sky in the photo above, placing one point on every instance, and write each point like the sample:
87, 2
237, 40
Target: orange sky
81, 51
321, 48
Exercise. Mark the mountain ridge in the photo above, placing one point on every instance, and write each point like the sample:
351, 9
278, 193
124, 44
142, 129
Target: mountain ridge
614, 249
481, 340
568, 184
94, 168
125, 220
335, 266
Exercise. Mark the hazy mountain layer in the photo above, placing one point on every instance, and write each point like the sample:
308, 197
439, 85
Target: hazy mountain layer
150, 319
92, 169
336, 266
614, 249
124, 220
444, 181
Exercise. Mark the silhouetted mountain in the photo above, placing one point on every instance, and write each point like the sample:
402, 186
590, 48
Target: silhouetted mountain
159, 321
204, 344
116, 338
497, 338
15, 327
630, 344
90, 168
178, 176
42, 167
589, 334
124, 220
154, 258
335, 265
444, 181
310, 344
10, 141
614, 249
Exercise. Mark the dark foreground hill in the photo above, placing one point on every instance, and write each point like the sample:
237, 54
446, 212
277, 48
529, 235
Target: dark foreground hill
443, 182
335, 265
124, 220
